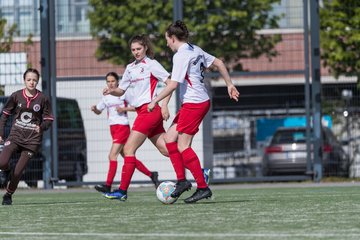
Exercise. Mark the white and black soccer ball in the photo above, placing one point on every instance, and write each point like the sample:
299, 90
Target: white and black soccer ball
164, 191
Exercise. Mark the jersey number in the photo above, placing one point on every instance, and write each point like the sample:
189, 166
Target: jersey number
202, 69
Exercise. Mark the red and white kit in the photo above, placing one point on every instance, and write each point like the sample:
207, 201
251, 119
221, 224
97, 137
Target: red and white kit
119, 122
111, 103
142, 79
189, 63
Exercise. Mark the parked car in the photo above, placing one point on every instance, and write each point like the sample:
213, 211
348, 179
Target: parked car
286, 153
72, 159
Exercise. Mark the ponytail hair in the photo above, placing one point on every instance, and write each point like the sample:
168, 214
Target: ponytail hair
179, 30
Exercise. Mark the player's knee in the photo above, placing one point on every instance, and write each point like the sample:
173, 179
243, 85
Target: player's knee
129, 151
169, 138
182, 147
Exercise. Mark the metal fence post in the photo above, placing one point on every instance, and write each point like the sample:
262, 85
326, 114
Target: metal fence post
309, 135
177, 15
316, 88
48, 72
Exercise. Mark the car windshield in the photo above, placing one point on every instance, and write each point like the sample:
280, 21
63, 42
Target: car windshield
289, 136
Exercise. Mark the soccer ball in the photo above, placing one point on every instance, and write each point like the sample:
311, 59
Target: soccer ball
164, 191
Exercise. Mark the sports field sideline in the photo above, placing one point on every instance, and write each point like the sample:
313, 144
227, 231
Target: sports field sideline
237, 211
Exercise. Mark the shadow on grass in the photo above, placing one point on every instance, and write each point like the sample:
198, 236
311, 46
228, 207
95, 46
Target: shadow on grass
215, 202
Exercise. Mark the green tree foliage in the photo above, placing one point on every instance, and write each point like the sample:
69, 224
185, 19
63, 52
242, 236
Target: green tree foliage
225, 29
6, 36
340, 36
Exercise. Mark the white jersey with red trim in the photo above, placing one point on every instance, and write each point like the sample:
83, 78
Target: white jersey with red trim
111, 103
142, 77
189, 63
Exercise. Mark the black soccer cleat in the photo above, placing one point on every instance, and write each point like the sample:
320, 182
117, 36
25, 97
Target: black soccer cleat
155, 178
7, 199
180, 187
200, 193
103, 188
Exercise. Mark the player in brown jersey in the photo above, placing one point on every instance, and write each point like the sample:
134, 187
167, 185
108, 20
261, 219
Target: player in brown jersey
32, 115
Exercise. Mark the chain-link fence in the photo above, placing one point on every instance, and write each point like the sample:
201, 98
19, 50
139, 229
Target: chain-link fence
234, 141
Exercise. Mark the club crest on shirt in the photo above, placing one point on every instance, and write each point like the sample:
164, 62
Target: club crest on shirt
7, 143
142, 70
36, 107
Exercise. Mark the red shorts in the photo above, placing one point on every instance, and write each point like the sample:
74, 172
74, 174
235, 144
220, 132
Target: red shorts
148, 123
119, 133
189, 117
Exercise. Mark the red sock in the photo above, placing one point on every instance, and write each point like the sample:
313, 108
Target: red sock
141, 167
176, 160
127, 172
112, 172
192, 163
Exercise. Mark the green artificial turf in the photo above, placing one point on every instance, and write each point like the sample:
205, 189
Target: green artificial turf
251, 213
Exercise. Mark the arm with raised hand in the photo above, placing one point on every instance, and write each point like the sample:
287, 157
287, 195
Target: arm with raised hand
95, 110
113, 91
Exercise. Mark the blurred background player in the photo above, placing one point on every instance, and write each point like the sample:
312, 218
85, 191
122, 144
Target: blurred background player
189, 64
32, 115
120, 130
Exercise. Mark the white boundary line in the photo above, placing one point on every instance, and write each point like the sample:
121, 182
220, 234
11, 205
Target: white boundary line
340, 234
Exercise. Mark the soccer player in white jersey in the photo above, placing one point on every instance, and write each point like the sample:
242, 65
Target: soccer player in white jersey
117, 108
142, 75
189, 63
